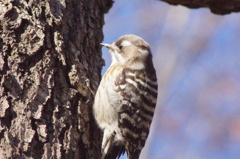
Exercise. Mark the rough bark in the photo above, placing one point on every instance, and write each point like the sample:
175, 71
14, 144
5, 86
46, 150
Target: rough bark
50, 64
216, 6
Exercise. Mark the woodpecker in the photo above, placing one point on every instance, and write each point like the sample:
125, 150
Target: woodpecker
126, 98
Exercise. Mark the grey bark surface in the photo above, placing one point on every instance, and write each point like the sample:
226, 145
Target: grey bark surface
50, 65
216, 6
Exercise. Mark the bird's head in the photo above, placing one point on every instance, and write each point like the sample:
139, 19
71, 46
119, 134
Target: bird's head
129, 50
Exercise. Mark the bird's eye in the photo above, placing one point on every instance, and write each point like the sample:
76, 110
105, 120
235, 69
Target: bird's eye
145, 48
120, 47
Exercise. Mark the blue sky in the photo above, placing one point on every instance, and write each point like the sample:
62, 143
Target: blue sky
197, 58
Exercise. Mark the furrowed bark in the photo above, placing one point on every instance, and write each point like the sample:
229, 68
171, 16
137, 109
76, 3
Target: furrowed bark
50, 66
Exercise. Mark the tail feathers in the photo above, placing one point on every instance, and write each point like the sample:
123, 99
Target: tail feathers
115, 152
134, 155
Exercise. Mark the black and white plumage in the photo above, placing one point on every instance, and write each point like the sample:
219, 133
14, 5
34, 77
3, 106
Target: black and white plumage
126, 98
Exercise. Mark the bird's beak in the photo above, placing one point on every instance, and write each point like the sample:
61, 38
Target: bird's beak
106, 45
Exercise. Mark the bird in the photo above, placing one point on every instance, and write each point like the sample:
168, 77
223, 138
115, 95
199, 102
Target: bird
126, 98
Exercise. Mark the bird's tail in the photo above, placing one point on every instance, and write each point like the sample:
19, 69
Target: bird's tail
115, 152
134, 155
111, 149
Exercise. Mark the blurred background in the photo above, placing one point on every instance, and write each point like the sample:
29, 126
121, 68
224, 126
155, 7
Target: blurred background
197, 58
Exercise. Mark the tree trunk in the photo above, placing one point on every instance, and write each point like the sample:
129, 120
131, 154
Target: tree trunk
50, 64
